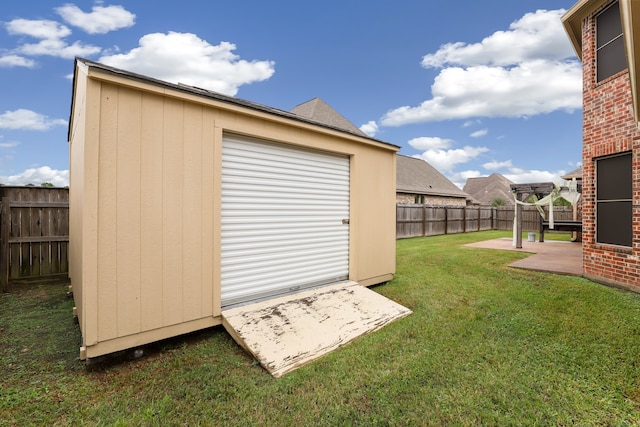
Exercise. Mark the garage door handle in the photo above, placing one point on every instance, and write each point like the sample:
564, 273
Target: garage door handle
345, 221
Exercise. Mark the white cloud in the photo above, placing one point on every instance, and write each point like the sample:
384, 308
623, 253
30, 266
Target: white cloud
175, 57
448, 159
37, 28
521, 176
28, 120
575, 164
51, 35
58, 48
527, 89
495, 165
37, 176
11, 60
9, 144
430, 143
479, 133
535, 36
528, 70
439, 154
185, 58
100, 20
471, 123
370, 128
469, 174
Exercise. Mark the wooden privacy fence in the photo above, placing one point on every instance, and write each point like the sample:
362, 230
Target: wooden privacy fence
423, 220
34, 234
34, 228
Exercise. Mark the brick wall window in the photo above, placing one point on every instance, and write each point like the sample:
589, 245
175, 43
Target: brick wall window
614, 200
610, 54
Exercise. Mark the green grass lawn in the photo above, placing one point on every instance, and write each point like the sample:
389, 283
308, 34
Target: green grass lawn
486, 345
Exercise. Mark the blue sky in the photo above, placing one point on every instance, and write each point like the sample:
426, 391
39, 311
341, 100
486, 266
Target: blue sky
473, 88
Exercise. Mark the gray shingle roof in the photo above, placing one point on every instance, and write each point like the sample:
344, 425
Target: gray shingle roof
415, 176
577, 174
486, 189
319, 111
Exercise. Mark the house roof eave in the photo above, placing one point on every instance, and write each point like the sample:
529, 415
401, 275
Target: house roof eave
572, 21
431, 193
630, 15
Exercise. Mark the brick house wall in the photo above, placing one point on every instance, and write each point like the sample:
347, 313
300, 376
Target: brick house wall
406, 198
608, 128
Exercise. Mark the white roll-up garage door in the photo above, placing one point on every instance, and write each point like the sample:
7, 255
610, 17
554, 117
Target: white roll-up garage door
285, 216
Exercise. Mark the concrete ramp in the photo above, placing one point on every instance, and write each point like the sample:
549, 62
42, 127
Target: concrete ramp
287, 332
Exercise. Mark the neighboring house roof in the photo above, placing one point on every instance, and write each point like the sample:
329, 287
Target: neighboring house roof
320, 116
415, 176
319, 111
577, 174
488, 188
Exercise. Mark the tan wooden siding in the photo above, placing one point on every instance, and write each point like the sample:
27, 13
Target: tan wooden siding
155, 212
373, 216
151, 198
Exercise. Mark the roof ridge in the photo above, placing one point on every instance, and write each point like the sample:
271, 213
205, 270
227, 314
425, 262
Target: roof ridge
318, 110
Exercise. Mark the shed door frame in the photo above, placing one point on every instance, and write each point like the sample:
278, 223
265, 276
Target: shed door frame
284, 219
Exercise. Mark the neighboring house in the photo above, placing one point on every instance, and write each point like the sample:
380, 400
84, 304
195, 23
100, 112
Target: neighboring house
487, 189
574, 174
321, 112
606, 37
185, 202
419, 182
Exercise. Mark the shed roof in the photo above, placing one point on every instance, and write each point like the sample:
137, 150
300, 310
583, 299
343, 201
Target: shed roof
416, 176
319, 116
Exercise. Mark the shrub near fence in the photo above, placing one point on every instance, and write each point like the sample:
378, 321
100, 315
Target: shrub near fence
423, 220
34, 234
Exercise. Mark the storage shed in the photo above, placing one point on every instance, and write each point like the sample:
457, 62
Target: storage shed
185, 201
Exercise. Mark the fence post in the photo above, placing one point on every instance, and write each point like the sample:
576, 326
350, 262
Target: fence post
5, 224
424, 220
446, 220
464, 219
518, 228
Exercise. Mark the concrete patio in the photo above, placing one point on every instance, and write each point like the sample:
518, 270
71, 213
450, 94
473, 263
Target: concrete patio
552, 256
